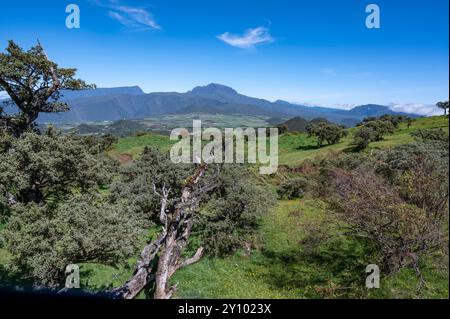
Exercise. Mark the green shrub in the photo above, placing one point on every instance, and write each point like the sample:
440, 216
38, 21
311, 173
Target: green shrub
293, 188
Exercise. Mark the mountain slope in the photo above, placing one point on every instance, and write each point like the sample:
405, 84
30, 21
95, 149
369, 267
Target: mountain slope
131, 103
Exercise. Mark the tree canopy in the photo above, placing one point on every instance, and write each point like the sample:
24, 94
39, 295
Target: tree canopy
33, 83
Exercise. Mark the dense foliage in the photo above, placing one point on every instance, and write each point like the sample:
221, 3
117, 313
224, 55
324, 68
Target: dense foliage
293, 188
331, 133
230, 208
374, 129
396, 199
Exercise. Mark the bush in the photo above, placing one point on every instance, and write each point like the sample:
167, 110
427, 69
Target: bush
420, 172
431, 135
362, 137
136, 183
293, 188
374, 210
232, 211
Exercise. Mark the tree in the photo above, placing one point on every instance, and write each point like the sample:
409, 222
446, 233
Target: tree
409, 122
372, 130
33, 84
44, 239
37, 167
380, 129
52, 209
331, 133
362, 137
444, 106
217, 202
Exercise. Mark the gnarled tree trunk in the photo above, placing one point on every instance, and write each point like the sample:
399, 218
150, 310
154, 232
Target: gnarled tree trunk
170, 243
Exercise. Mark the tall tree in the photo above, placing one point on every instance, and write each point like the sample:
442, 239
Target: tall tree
443, 105
33, 83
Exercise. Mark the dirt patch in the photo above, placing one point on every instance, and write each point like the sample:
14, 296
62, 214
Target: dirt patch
125, 158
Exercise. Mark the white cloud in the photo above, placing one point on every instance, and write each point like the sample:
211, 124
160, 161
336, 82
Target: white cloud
249, 39
416, 108
135, 17
131, 17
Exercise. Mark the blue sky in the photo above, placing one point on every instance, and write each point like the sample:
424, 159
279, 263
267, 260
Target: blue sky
318, 52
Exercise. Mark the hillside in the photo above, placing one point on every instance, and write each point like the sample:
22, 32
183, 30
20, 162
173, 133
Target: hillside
296, 147
279, 267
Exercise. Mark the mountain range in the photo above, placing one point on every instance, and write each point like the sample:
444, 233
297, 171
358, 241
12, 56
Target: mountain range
112, 104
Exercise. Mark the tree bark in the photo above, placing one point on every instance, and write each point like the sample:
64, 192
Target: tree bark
171, 242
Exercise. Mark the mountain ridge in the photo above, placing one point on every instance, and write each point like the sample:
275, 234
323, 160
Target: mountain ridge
112, 104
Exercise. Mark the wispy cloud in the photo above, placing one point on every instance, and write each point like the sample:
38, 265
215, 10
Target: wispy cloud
131, 17
249, 39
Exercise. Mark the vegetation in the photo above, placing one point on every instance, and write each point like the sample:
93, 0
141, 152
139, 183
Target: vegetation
374, 129
33, 83
146, 226
331, 133
443, 105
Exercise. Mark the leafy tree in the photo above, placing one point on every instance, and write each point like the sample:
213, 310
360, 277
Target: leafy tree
409, 122
50, 203
229, 209
443, 105
44, 239
380, 129
282, 128
137, 182
33, 83
372, 131
37, 168
331, 133
231, 212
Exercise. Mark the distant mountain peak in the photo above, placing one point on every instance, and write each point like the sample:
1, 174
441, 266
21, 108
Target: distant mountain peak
283, 102
214, 88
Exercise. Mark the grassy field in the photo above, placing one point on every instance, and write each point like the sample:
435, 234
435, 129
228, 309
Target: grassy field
295, 148
283, 262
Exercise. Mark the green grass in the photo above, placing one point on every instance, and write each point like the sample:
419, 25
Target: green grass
282, 264
294, 148
251, 276
134, 145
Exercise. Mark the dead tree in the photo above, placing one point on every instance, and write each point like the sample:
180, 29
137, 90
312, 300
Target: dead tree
177, 225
